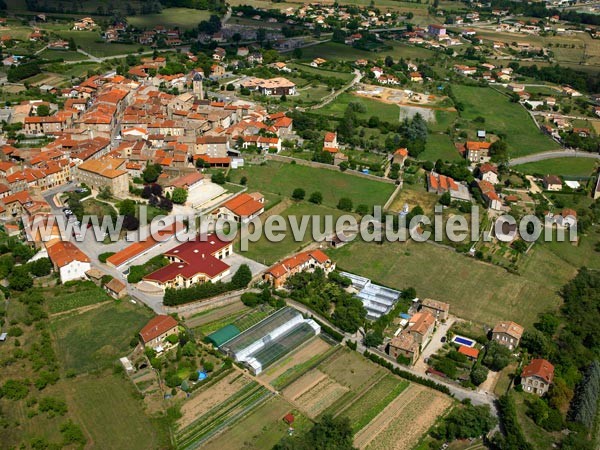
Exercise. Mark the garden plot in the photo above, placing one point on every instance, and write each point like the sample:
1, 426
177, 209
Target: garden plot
401, 424
213, 395
314, 392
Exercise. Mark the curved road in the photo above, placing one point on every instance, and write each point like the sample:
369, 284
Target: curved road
551, 155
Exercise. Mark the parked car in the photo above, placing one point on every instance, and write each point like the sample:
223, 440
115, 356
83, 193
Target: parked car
443, 339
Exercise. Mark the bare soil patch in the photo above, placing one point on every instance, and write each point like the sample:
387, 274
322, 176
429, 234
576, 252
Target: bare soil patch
400, 425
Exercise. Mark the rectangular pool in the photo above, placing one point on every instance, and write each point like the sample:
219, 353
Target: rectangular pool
463, 341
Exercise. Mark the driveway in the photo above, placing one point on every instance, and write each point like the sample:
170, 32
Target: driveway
236, 260
434, 345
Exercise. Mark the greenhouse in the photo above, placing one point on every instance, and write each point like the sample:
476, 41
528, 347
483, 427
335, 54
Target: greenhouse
272, 338
377, 300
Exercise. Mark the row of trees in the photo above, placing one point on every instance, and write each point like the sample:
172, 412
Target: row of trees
240, 280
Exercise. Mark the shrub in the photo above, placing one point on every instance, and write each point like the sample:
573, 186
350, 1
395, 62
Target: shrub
345, 204
298, 194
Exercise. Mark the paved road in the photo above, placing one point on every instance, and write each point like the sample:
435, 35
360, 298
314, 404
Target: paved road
334, 95
551, 155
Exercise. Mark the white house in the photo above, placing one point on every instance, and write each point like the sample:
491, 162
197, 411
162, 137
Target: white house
71, 262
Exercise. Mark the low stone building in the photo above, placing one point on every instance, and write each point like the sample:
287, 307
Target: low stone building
507, 333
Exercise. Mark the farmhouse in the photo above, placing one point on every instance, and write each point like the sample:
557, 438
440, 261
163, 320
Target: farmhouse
71, 263
477, 152
439, 310
115, 288
305, 261
489, 172
271, 339
420, 326
157, 329
508, 334
194, 262
243, 208
404, 345
552, 183
537, 376
440, 184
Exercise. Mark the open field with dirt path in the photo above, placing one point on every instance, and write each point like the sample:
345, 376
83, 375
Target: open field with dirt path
310, 349
400, 425
208, 398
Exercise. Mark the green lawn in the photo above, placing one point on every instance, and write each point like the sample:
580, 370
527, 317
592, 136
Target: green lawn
440, 146
109, 412
574, 167
82, 294
267, 252
443, 120
537, 436
184, 18
66, 55
346, 76
282, 179
91, 42
385, 111
97, 338
503, 117
475, 291
336, 51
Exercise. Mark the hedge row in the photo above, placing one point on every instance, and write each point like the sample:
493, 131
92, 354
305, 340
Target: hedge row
407, 375
330, 331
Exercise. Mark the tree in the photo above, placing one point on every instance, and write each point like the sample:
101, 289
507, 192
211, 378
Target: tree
151, 173
244, 181
43, 110
345, 204
465, 421
127, 208
72, 434
445, 199
297, 53
330, 433
496, 357
242, 277
105, 193
374, 338
179, 196
40, 267
316, 198
479, 374
362, 209
499, 151
218, 177
298, 194
19, 279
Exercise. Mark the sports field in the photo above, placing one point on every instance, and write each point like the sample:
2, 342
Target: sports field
574, 167
475, 291
282, 179
504, 118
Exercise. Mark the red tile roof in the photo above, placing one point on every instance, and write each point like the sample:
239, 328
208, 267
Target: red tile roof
195, 257
471, 352
62, 253
291, 263
138, 248
244, 205
540, 368
158, 325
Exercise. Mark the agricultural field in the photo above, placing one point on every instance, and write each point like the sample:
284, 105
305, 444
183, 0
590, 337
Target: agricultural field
415, 195
402, 423
282, 179
262, 428
566, 167
183, 18
111, 414
314, 392
226, 411
457, 279
345, 76
98, 337
63, 298
502, 118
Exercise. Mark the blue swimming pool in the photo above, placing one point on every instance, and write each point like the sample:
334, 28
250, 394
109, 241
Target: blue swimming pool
463, 341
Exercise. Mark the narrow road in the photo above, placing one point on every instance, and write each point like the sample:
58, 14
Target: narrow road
331, 97
551, 155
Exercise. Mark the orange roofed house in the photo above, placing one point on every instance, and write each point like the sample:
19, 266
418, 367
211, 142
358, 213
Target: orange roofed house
157, 329
305, 261
537, 376
477, 152
194, 262
243, 208
68, 260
